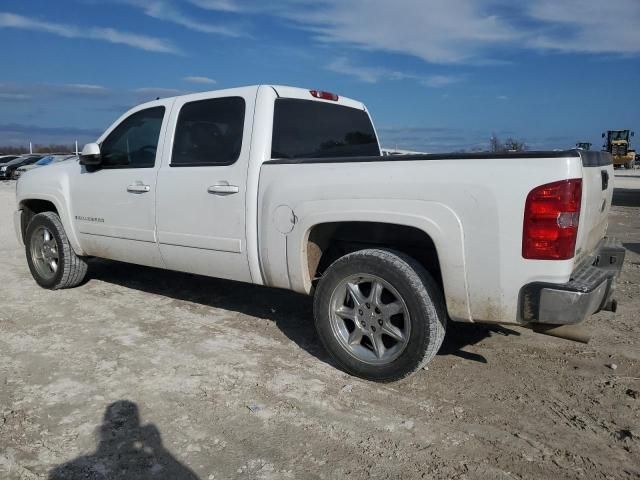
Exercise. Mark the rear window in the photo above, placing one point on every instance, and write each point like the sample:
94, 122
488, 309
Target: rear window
309, 129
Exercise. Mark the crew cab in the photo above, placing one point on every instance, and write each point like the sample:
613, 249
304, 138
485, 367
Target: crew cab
287, 188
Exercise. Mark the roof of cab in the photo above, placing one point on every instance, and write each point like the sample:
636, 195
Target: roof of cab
304, 94
283, 91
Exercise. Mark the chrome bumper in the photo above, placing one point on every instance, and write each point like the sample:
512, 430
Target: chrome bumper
590, 289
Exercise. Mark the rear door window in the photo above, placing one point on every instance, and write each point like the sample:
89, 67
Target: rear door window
209, 132
310, 129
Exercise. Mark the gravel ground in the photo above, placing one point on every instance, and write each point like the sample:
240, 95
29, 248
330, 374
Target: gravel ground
142, 373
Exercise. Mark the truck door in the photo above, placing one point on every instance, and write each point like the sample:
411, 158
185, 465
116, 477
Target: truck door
202, 185
113, 206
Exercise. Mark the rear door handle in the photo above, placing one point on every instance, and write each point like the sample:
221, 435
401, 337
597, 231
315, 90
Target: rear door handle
224, 189
138, 188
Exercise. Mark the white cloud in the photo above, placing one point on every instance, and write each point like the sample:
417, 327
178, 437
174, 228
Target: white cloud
439, 31
343, 66
55, 91
579, 26
81, 89
200, 80
166, 10
219, 5
152, 44
458, 31
17, 92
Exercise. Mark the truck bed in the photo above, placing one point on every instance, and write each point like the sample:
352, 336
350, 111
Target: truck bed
470, 204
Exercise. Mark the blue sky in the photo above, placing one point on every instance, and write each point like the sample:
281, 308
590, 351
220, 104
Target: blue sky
437, 75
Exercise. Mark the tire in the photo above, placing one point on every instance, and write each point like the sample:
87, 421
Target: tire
400, 332
46, 241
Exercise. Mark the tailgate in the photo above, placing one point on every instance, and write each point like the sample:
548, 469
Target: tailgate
597, 191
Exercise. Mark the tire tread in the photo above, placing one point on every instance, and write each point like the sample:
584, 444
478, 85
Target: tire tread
426, 291
74, 268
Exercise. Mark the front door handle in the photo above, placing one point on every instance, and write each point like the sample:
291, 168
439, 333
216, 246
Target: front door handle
138, 188
224, 189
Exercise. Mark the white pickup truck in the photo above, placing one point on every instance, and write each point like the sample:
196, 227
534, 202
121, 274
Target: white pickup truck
285, 187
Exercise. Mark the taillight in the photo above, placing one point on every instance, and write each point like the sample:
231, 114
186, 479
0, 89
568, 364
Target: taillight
324, 95
551, 216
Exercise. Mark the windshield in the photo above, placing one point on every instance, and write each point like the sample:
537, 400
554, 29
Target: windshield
616, 135
44, 161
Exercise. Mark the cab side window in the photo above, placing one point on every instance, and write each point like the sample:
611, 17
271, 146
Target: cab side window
134, 142
209, 132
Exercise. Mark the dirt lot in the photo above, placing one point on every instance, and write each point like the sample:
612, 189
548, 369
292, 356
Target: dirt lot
142, 373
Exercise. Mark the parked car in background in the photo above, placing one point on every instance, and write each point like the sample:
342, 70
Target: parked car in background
41, 163
7, 158
6, 170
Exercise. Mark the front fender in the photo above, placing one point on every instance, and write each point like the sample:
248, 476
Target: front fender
54, 189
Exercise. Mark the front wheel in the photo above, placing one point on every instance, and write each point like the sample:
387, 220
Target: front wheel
51, 259
379, 314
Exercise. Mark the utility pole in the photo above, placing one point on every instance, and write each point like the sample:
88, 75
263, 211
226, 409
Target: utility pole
30, 148
76, 148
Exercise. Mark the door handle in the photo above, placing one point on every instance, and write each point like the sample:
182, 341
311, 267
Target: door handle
138, 188
223, 189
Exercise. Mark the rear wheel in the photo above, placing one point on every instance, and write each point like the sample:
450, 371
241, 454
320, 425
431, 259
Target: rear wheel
379, 314
52, 261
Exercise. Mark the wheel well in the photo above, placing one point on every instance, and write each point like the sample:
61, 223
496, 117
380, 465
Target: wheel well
329, 241
30, 208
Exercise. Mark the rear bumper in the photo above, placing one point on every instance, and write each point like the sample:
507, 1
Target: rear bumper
590, 289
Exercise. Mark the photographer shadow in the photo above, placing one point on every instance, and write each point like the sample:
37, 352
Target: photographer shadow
126, 449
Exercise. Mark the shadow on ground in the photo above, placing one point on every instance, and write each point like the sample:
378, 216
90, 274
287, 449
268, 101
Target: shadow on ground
126, 449
633, 247
291, 312
461, 335
626, 197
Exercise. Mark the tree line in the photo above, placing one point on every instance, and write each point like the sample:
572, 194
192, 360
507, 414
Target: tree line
508, 145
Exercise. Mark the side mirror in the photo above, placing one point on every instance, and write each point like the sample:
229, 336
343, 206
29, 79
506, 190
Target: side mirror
91, 155
632, 133
603, 135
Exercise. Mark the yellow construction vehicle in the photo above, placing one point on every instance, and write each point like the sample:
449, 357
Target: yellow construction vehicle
618, 144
